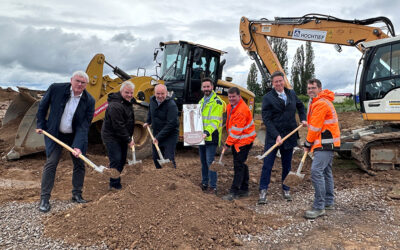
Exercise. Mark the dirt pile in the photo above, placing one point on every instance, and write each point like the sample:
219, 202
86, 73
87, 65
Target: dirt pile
158, 209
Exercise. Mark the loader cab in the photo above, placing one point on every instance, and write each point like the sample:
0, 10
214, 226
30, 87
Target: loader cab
380, 79
183, 67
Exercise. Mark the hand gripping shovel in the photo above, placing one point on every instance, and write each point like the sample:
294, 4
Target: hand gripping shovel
260, 157
294, 178
161, 161
217, 166
99, 169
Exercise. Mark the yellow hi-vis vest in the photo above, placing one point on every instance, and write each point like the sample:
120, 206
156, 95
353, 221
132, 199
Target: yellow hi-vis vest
212, 114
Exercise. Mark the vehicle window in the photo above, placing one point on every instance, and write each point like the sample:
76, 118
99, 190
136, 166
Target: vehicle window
384, 72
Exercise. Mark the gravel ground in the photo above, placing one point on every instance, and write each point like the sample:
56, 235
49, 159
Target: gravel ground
366, 207
355, 211
22, 228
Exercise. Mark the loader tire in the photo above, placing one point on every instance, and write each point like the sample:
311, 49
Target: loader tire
141, 136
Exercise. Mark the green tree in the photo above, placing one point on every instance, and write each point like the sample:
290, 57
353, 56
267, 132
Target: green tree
279, 46
252, 83
303, 68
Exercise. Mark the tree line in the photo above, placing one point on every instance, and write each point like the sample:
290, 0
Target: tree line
302, 68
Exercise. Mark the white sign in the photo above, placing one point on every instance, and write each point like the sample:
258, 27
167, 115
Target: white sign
192, 125
266, 28
309, 35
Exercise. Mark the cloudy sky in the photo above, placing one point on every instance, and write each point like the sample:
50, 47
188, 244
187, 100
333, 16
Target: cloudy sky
44, 41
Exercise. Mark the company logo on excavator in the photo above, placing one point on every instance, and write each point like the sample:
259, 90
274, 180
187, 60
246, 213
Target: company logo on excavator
309, 35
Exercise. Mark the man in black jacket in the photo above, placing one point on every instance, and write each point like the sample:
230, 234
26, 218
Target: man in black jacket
71, 111
117, 128
163, 118
278, 114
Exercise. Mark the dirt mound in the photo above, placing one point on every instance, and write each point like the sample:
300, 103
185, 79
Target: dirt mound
158, 209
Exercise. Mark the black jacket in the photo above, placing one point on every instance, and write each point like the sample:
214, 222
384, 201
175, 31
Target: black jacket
280, 119
164, 121
119, 120
56, 97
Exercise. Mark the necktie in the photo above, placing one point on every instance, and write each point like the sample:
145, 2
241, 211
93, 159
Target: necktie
283, 97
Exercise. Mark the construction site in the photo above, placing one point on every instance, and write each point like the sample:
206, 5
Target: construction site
166, 208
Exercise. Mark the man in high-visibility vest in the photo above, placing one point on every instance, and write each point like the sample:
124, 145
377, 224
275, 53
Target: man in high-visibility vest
241, 134
212, 109
323, 137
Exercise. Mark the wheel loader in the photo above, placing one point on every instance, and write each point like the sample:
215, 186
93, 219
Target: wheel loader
183, 65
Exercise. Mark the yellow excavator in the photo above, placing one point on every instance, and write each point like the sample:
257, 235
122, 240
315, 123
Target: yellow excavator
374, 147
183, 65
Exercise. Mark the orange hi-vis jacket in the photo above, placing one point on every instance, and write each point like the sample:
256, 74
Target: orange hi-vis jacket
239, 125
323, 125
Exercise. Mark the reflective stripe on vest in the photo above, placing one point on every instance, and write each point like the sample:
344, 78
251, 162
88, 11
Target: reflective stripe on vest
242, 136
315, 129
241, 129
326, 141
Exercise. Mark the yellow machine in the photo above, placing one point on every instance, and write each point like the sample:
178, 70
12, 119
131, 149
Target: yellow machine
183, 66
375, 147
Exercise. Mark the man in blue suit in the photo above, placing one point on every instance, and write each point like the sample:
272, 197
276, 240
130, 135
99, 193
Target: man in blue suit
70, 115
279, 116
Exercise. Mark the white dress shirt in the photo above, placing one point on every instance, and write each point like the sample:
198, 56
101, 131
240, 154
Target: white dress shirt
68, 114
282, 95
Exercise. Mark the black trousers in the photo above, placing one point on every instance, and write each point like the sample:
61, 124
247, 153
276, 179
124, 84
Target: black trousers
240, 181
167, 151
49, 170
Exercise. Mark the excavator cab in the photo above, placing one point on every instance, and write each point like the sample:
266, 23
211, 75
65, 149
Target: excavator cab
184, 65
380, 80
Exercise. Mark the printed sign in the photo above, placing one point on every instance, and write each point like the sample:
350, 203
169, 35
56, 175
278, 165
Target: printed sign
100, 109
309, 35
192, 125
393, 106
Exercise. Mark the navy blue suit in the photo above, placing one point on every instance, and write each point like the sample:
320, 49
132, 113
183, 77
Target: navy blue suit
55, 98
280, 120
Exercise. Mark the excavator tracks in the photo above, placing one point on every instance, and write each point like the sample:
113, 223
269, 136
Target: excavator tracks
361, 150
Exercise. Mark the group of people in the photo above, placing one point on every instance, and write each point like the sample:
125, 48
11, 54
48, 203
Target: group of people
72, 109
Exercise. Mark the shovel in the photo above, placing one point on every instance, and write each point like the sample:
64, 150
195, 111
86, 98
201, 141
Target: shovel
294, 178
99, 169
161, 161
133, 161
260, 157
216, 166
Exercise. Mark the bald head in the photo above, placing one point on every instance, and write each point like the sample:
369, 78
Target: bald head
160, 91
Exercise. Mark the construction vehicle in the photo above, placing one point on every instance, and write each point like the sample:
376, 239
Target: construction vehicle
376, 147
183, 66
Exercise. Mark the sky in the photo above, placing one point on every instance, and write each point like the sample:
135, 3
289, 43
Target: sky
44, 41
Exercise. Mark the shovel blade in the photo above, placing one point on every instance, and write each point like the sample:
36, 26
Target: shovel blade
216, 166
165, 163
293, 179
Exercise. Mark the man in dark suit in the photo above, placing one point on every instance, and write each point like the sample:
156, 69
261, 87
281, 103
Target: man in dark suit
163, 118
278, 114
70, 115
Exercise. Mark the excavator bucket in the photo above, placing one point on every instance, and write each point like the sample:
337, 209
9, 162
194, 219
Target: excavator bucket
22, 113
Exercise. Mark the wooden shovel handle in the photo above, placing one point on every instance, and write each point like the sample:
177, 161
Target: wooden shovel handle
222, 154
284, 139
68, 148
152, 138
133, 146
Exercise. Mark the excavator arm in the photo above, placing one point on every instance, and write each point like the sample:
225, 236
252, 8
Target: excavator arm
311, 27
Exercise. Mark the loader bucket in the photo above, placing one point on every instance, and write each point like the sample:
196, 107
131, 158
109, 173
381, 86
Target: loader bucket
24, 108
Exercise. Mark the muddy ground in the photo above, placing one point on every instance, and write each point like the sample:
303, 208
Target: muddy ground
167, 209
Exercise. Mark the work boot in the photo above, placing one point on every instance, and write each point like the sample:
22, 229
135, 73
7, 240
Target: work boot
230, 197
44, 206
78, 198
243, 193
115, 183
263, 197
314, 213
286, 195
330, 207
212, 191
203, 187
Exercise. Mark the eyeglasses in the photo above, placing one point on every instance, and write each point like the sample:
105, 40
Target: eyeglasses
310, 88
79, 81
